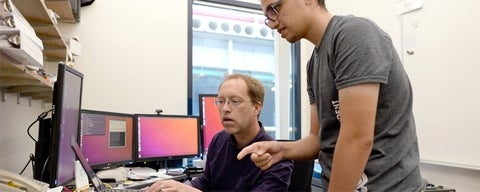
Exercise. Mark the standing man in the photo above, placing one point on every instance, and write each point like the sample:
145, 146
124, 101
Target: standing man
362, 125
239, 102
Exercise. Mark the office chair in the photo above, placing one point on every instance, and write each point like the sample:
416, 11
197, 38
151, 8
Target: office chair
301, 179
302, 174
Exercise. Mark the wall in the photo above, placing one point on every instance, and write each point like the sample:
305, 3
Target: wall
15, 145
442, 70
462, 180
134, 55
443, 64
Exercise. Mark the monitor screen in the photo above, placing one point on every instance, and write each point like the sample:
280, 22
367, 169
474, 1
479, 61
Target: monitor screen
106, 138
163, 137
67, 94
209, 118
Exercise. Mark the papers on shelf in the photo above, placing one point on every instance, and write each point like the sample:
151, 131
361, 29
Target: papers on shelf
17, 36
16, 20
74, 46
21, 47
53, 16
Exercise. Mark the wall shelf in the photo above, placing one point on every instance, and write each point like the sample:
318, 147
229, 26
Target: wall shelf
17, 78
63, 8
15, 75
36, 13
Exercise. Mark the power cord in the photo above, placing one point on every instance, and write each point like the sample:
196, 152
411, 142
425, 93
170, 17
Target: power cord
25, 167
44, 168
32, 157
39, 118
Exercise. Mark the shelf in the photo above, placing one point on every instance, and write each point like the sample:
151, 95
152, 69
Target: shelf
63, 8
15, 75
17, 78
35, 12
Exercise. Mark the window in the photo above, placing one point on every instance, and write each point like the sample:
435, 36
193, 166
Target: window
227, 38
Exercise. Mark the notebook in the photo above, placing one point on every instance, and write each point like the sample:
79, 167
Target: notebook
92, 176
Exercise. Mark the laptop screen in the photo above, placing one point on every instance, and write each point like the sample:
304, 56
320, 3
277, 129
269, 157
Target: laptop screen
96, 182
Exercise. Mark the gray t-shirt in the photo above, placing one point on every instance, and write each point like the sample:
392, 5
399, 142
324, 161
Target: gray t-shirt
353, 51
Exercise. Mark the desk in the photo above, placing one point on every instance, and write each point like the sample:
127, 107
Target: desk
146, 183
152, 176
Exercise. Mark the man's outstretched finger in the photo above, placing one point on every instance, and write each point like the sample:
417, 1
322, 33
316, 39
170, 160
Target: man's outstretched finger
253, 148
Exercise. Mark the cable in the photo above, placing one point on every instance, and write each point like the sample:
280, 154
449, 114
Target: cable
39, 118
32, 157
28, 130
44, 168
29, 160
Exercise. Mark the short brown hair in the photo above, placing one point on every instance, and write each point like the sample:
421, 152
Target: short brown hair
256, 91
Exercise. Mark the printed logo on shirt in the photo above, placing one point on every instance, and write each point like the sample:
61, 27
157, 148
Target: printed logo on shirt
361, 184
336, 108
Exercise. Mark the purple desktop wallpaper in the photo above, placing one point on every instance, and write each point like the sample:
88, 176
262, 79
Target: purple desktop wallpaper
167, 136
211, 121
97, 149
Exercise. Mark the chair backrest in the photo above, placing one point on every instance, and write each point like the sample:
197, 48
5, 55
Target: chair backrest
301, 179
302, 174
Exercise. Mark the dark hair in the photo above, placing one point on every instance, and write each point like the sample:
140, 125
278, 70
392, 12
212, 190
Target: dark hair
321, 3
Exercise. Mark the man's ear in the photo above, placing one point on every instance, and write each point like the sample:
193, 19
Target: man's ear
258, 106
308, 2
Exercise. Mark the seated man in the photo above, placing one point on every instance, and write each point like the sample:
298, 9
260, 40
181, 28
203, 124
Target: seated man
239, 102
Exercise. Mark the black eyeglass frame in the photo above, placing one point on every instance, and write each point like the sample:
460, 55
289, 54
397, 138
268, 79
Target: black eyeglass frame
234, 102
272, 13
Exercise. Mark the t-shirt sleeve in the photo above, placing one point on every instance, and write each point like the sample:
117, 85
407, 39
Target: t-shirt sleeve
360, 54
311, 95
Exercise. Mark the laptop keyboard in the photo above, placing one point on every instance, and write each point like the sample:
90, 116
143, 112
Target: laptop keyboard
123, 190
141, 184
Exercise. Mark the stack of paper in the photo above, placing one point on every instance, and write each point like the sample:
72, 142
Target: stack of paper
17, 37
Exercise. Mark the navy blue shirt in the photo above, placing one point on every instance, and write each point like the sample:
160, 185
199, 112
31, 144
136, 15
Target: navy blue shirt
224, 172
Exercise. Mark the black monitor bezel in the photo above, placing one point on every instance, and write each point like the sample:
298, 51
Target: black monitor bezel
113, 163
57, 116
160, 158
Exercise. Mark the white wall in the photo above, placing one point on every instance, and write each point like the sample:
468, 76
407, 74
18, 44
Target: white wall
16, 114
134, 55
462, 180
443, 66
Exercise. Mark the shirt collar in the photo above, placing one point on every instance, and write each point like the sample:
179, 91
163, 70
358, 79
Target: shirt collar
258, 137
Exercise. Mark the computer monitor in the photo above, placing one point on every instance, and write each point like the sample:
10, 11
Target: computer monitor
165, 137
106, 138
209, 119
67, 96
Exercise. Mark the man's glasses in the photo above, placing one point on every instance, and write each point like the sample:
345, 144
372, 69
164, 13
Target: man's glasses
272, 13
234, 102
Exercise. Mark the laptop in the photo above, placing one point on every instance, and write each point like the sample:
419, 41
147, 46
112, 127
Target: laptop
92, 176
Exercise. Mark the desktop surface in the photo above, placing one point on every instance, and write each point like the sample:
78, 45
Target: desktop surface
145, 177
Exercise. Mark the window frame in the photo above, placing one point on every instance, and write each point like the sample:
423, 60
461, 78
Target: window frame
295, 70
